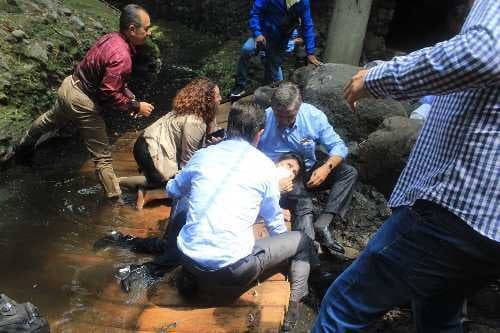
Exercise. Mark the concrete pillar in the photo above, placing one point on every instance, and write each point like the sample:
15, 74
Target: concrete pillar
347, 30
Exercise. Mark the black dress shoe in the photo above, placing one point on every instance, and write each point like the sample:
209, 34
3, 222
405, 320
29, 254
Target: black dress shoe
326, 240
116, 239
291, 317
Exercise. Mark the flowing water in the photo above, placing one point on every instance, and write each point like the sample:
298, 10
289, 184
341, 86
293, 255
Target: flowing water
50, 216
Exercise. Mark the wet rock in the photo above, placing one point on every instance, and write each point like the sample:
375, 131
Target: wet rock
19, 35
37, 52
5, 84
3, 63
52, 16
382, 156
262, 96
11, 39
68, 34
46, 3
323, 87
65, 11
78, 23
98, 25
4, 100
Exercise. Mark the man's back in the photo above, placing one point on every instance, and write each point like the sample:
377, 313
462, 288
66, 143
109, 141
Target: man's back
229, 185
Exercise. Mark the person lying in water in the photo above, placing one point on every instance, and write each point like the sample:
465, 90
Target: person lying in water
166, 146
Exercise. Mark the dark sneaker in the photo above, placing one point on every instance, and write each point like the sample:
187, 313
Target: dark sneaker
115, 239
237, 92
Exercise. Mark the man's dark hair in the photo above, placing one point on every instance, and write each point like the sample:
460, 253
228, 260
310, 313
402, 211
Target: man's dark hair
245, 120
130, 16
294, 156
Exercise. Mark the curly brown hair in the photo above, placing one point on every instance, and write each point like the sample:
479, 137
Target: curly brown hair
197, 98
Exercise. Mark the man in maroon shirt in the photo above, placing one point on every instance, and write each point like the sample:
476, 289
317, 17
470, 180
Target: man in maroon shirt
99, 82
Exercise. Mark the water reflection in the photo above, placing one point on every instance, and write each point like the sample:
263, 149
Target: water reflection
49, 220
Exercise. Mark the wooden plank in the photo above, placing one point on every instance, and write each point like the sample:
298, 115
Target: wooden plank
273, 293
81, 327
213, 320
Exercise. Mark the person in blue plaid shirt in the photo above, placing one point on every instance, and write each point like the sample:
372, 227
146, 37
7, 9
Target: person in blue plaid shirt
442, 242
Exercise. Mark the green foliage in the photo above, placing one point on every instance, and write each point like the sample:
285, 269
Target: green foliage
33, 84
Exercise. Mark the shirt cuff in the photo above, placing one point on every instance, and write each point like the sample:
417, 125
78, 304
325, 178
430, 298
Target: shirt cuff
134, 105
374, 81
341, 151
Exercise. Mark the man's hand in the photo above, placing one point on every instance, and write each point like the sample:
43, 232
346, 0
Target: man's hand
287, 215
145, 109
318, 176
260, 39
286, 184
355, 89
313, 60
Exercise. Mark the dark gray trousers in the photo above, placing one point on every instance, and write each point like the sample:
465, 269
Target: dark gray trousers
267, 254
340, 182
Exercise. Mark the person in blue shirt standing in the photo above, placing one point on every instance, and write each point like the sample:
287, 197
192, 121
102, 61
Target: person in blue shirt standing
442, 242
292, 125
272, 23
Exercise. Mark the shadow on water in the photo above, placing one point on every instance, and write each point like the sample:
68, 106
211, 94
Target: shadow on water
50, 217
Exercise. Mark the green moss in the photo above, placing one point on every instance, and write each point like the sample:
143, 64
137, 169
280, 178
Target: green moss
33, 84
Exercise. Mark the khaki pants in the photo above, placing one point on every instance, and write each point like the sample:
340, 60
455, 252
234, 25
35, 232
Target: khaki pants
72, 104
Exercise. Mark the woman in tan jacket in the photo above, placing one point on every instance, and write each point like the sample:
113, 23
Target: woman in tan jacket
167, 145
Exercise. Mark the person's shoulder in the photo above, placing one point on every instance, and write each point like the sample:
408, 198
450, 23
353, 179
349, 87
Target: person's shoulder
310, 110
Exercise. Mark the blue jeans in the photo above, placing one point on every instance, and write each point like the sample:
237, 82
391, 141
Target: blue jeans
272, 62
423, 254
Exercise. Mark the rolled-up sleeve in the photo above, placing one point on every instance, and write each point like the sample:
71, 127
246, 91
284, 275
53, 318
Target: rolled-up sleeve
270, 209
329, 138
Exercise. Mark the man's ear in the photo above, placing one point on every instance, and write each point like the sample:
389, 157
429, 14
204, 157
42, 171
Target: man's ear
256, 138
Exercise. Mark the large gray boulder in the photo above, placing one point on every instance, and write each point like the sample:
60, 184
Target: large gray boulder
383, 155
323, 87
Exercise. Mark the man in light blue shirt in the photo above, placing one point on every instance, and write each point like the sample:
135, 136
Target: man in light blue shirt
225, 187
294, 126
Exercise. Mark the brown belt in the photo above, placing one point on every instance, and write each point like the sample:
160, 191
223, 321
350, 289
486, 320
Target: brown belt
78, 83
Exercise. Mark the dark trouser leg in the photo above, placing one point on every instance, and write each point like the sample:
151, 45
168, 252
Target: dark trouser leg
146, 164
272, 65
273, 251
421, 254
267, 254
299, 201
341, 183
247, 51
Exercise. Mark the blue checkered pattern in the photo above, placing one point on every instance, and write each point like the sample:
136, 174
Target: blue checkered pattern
456, 159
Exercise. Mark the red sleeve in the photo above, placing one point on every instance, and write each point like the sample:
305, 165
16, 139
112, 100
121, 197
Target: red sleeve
113, 87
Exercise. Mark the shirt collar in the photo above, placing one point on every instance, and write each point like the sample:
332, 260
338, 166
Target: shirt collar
132, 47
